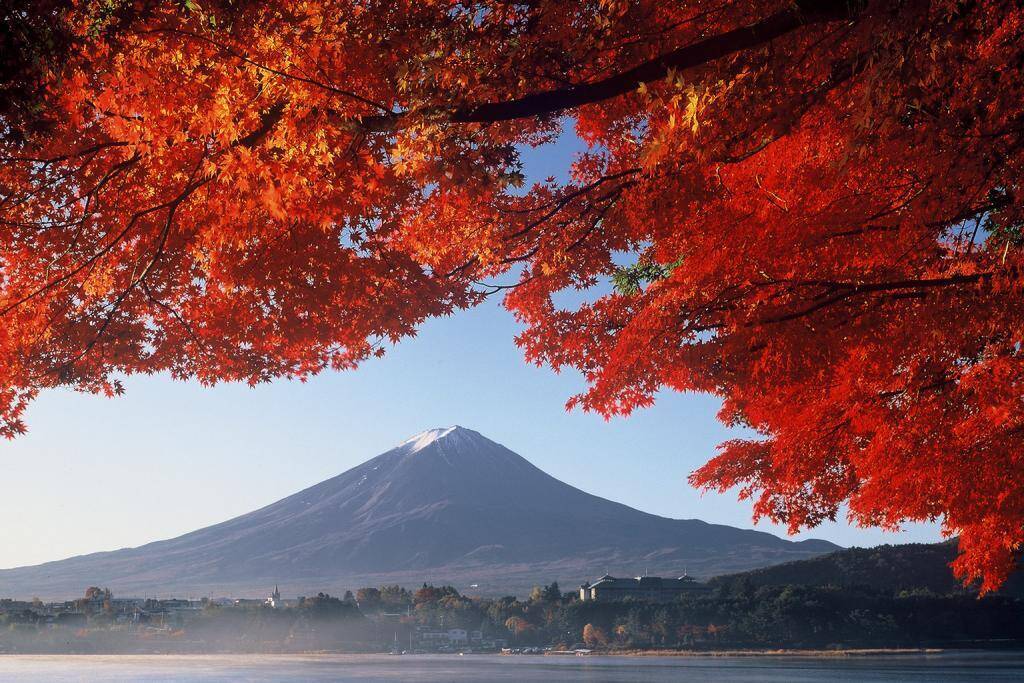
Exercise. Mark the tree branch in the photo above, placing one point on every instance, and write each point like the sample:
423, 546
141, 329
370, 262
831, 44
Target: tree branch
848, 290
801, 13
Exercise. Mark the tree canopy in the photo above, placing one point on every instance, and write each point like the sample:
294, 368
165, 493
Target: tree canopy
808, 208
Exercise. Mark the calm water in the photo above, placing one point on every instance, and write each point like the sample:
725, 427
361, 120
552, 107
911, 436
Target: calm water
941, 668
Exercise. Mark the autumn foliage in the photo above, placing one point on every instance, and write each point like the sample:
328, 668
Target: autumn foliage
594, 636
811, 209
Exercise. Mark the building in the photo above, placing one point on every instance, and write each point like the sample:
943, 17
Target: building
247, 602
432, 638
435, 639
646, 588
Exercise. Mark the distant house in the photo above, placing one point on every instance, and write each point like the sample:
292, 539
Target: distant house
248, 602
10, 605
433, 637
646, 588
436, 638
125, 605
70, 619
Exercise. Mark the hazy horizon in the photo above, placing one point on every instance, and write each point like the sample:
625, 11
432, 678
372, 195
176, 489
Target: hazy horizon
194, 477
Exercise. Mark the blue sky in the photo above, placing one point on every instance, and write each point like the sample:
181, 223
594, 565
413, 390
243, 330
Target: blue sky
169, 457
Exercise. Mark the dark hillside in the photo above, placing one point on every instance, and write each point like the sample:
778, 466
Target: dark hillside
914, 567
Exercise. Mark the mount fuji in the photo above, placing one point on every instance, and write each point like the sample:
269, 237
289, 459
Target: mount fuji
446, 506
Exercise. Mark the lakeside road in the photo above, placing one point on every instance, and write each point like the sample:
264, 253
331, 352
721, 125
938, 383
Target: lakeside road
942, 667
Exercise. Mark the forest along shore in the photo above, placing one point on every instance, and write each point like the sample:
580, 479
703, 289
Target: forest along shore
734, 616
845, 652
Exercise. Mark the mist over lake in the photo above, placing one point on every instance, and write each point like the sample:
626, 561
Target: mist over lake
933, 668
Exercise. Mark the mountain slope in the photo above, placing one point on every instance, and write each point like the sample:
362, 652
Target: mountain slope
446, 505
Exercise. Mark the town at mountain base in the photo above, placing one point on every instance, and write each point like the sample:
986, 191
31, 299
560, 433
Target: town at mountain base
447, 506
887, 599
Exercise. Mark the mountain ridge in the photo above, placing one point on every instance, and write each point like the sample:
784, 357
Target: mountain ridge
887, 568
447, 504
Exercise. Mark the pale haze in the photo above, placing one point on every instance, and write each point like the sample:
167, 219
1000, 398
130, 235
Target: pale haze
169, 457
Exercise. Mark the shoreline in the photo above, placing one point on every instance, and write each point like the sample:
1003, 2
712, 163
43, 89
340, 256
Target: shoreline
778, 652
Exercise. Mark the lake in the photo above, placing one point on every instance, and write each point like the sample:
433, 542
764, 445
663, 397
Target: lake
947, 666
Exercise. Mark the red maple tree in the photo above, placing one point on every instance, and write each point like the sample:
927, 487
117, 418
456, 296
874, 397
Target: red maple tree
810, 209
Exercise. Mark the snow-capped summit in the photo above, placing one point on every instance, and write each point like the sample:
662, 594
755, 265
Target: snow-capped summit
454, 440
424, 439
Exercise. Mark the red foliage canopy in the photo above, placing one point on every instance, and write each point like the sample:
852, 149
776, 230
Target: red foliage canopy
821, 200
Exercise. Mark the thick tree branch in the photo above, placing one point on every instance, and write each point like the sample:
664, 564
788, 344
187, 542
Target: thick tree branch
801, 13
268, 120
848, 290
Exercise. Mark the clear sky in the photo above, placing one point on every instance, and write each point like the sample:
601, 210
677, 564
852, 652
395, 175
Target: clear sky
170, 457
